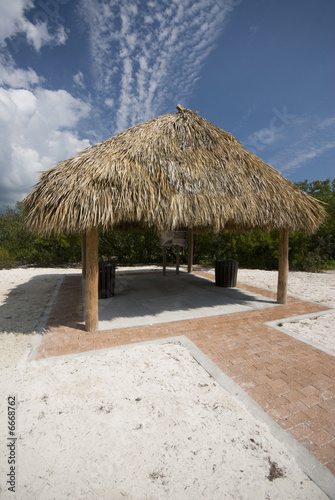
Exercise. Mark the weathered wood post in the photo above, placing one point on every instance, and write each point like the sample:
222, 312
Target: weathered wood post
283, 266
190, 250
83, 255
92, 277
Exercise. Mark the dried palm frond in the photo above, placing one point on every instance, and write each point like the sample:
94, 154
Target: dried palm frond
174, 171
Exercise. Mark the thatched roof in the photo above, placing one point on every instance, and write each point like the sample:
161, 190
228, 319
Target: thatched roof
174, 171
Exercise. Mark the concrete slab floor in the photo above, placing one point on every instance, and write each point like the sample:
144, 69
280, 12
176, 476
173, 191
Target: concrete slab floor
147, 299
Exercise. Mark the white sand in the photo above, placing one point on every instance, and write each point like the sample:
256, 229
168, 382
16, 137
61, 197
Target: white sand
314, 287
141, 423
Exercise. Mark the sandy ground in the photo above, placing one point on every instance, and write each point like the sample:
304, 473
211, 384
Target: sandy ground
314, 287
142, 423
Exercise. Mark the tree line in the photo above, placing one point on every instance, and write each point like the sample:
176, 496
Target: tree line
256, 249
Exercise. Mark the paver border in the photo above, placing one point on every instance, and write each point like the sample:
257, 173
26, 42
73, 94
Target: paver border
294, 319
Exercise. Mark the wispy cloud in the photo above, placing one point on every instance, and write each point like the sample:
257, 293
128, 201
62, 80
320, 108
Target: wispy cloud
79, 80
307, 154
146, 53
314, 143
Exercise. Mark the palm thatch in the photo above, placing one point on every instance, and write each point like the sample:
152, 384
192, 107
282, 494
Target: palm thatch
174, 171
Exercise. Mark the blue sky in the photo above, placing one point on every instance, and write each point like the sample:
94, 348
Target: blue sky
76, 72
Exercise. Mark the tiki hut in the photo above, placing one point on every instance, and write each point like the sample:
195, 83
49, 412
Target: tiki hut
176, 171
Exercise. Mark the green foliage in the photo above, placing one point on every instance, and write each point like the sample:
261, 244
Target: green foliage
256, 249
6, 260
61, 249
317, 251
132, 247
253, 250
19, 246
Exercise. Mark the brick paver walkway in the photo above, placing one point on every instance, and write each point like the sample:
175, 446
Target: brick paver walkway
292, 381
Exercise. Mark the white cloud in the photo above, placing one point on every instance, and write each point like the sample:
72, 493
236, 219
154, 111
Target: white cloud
39, 35
148, 19
13, 23
79, 80
109, 102
12, 15
37, 132
16, 77
158, 49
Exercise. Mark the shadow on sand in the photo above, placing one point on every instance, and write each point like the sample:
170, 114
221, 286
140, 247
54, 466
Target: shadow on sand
26, 304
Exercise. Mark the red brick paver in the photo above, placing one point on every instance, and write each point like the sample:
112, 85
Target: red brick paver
292, 381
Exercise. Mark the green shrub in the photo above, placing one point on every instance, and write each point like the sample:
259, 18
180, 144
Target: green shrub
6, 260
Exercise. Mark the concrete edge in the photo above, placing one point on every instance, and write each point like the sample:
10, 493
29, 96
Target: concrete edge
42, 322
122, 347
318, 473
43, 319
294, 319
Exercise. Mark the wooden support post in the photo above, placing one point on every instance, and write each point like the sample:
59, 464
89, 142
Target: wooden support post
92, 276
283, 266
164, 261
83, 255
177, 260
190, 250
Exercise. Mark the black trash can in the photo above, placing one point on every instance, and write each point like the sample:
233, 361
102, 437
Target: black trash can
106, 280
226, 273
